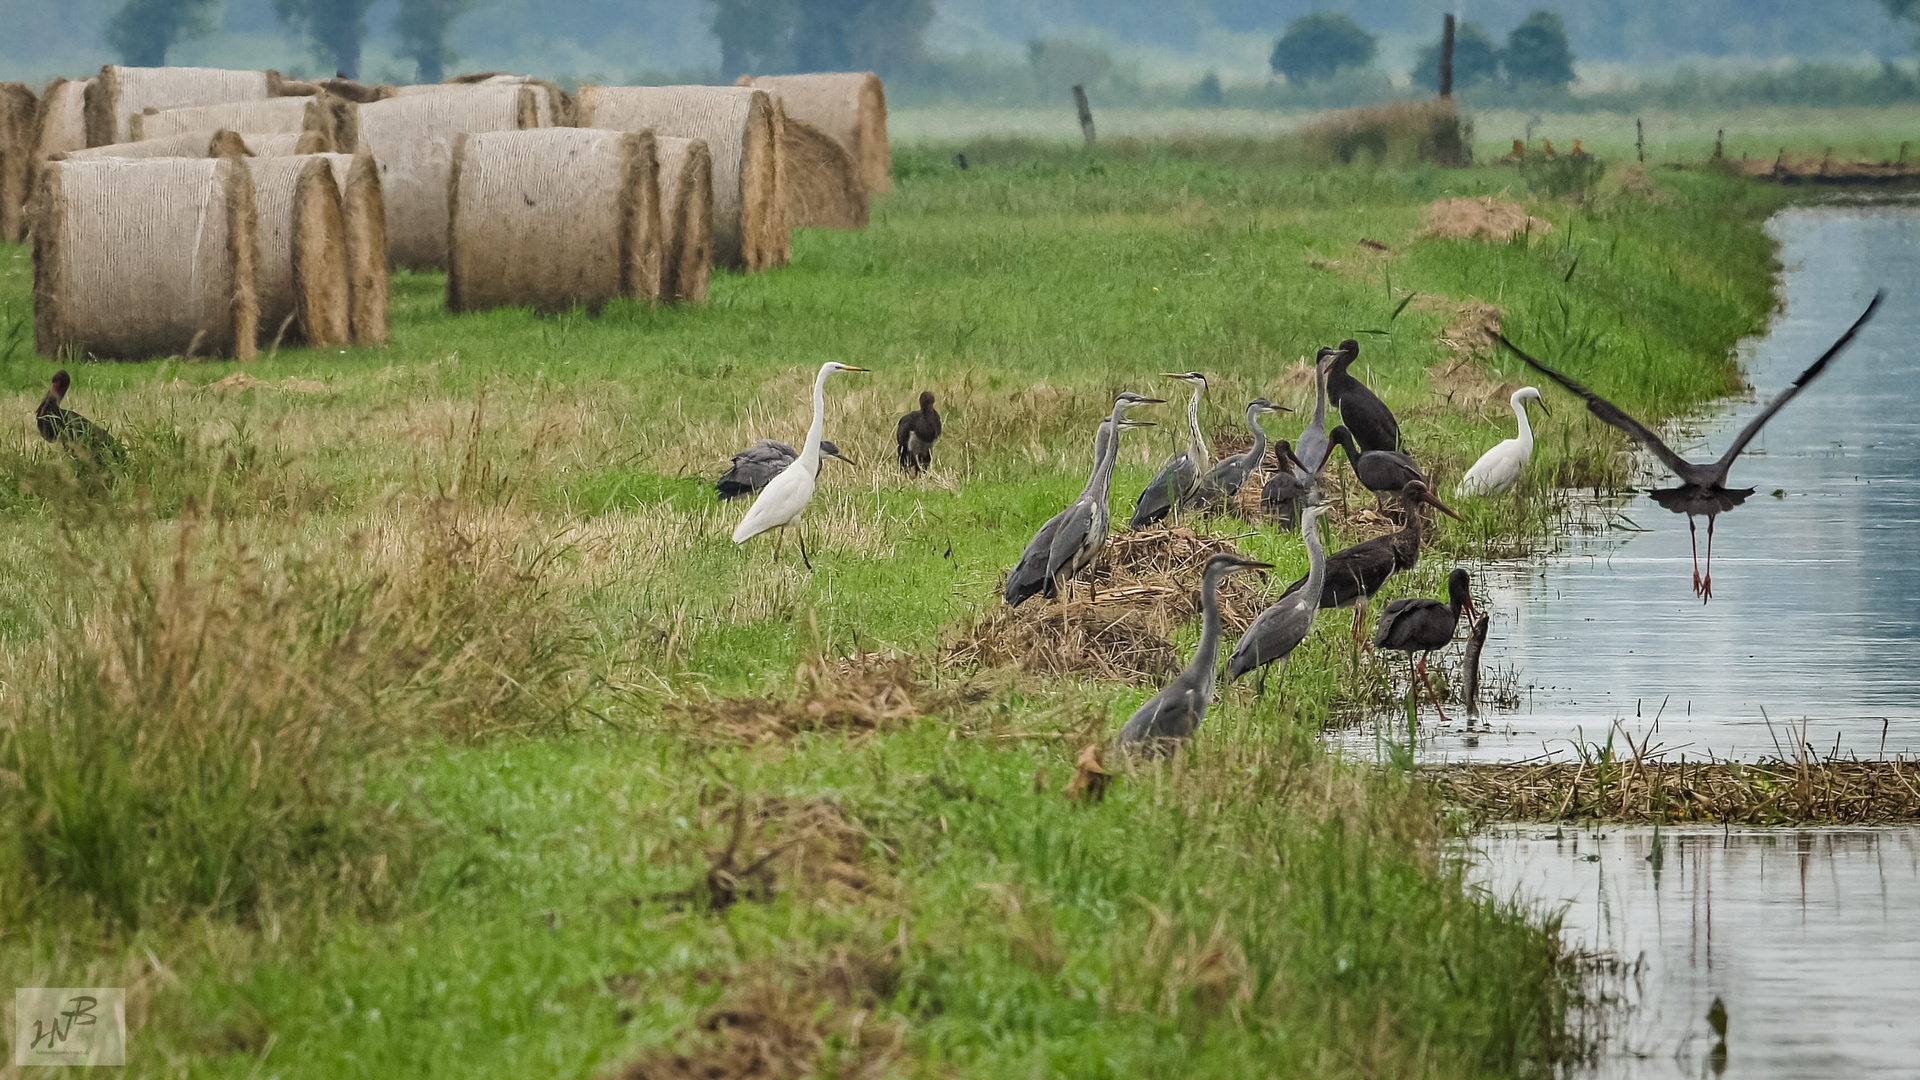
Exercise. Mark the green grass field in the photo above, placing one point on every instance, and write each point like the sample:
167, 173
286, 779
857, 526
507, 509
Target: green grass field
403, 724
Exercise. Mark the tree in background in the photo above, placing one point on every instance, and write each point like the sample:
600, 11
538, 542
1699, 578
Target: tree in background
858, 35
422, 27
1320, 45
755, 35
143, 30
1475, 59
334, 28
1538, 54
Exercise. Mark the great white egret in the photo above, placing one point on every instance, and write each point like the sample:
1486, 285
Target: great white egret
1499, 468
786, 496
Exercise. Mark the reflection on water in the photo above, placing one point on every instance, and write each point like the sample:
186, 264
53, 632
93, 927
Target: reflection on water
1816, 609
1807, 935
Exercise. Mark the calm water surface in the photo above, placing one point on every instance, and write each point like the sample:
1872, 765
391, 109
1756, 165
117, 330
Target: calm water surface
1816, 608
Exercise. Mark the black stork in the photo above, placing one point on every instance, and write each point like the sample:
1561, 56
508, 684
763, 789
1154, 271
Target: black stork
916, 433
62, 425
1424, 626
1383, 472
1702, 491
1361, 410
1354, 575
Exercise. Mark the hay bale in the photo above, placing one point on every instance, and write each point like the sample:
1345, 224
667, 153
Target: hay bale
556, 106
552, 219
274, 116
686, 218
62, 123
364, 209
851, 107
118, 94
192, 144
133, 259
738, 126
353, 91
19, 115
279, 85
302, 267
821, 183
307, 142
412, 138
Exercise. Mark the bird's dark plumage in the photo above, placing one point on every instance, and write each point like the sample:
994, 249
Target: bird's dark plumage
757, 465
916, 433
1702, 491
1362, 411
1383, 472
1284, 493
57, 424
1420, 625
1356, 573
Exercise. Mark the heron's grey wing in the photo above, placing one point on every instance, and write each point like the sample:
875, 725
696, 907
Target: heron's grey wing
1030, 573
1274, 633
1813, 372
1171, 482
1075, 522
1139, 726
1610, 414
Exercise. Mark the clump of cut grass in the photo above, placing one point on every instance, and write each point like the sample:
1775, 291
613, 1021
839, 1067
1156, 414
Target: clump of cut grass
1633, 790
853, 699
1489, 218
1400, 133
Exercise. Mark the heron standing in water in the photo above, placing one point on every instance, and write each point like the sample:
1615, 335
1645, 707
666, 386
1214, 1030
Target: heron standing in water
1499, 468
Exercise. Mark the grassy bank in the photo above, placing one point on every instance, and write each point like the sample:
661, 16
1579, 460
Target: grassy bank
407, 710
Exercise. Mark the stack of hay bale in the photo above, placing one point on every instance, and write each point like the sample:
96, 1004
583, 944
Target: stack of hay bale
835, 145
19, 117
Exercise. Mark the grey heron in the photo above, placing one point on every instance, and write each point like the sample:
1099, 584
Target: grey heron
786, 496
1420, 625
1277, 631
1702, 490
757, 465
916, 433
1176, 712
1356, 573
1071, 539
1312, 447
1177, 477
1224, 480
1361, 410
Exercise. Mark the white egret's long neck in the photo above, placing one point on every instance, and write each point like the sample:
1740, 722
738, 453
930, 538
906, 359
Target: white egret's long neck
1520, 414
810, 453
1196, 442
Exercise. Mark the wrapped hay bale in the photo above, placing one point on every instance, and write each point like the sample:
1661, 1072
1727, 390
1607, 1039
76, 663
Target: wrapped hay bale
118, 94
307, 142
551, 219
134, 259
738, 125
62, 124
274, 116
851, 107
364, 211
686, 218
556, 106
301, 279
201, 144
19, 116
821, 185
412, 138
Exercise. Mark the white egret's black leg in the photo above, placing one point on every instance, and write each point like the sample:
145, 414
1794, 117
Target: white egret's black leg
803, 549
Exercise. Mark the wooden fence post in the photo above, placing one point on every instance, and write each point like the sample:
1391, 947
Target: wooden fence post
1086, 112
1446, 56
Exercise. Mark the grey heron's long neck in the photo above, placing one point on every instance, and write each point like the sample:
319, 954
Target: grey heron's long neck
1259, 451
1103, 463
1319, 397
1196, 442
1316, 560
810, 452
1208, 654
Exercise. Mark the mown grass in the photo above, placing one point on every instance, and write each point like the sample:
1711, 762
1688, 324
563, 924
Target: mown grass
359, 731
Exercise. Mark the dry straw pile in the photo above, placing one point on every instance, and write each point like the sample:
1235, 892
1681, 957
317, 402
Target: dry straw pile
1492, 219
740, 128
19, 115
1642, 789
849, 107
412, 138
686, 218
553, 219
133, 259
1400, 133
118, 94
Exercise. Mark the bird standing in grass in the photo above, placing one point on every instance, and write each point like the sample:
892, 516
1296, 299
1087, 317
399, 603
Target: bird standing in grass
1424, 626
1277, 631
757, 465
1702, 490
1071, 539
1355, 574
1177, 477
916, 433
786, 496
1223, 481
63, 425
1499, 468
1312, 448
1383, 472
1285, 491
1361, 410
1176, 712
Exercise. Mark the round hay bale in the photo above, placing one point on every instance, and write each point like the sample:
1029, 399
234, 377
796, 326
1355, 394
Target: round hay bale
190, 144
141, 258
849, 106
412, 136
686, 218
307, 142
556, 106
19, 117
353, 91
62, 124
551, 219
273, 116
738, 126
302, 267
822, 183
118, 94
364, 209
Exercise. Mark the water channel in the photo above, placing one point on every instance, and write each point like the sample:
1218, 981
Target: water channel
1810, 937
